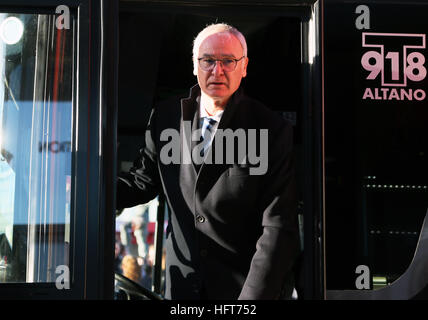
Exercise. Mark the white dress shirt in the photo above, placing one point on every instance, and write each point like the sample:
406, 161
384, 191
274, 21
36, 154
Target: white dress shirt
217, 117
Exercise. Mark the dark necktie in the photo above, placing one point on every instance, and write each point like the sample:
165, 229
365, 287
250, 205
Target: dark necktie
206, 134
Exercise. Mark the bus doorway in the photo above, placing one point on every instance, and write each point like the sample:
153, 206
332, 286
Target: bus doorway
155, 49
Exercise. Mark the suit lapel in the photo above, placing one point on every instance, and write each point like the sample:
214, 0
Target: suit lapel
209, 173
188, 174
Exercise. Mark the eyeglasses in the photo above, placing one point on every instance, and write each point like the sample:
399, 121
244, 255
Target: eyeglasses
228, 64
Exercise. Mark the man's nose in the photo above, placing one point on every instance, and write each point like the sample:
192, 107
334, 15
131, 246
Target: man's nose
218, 68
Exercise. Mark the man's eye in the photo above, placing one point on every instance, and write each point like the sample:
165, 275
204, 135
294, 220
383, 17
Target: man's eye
209, 61
227, 62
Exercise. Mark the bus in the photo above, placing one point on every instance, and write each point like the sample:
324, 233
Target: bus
80, 77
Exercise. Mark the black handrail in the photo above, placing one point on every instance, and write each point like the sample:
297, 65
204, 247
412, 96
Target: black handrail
131, 287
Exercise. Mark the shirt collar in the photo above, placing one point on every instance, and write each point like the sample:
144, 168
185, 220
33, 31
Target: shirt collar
204, 114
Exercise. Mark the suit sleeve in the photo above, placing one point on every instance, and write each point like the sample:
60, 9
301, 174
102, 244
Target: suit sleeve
142, 183
278, 246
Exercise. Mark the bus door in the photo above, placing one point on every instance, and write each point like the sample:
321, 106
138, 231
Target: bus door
375, 150
55, 166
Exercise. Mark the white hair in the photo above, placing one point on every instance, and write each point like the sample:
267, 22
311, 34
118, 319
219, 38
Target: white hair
213, 29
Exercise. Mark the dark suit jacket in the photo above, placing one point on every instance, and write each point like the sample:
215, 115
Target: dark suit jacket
230, 234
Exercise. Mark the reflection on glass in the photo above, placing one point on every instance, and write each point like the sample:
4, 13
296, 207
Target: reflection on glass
11, 30
36, 76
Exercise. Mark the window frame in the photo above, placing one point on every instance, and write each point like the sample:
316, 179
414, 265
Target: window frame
93, 150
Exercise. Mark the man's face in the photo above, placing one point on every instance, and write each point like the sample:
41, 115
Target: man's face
217, 83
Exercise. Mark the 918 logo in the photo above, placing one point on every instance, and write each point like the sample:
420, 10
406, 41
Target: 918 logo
395, 60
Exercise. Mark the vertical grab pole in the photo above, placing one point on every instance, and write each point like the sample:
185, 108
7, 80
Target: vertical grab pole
157, 269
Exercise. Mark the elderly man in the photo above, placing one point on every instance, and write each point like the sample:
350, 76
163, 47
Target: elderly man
232, 231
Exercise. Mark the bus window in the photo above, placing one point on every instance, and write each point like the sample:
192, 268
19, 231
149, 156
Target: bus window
36, 112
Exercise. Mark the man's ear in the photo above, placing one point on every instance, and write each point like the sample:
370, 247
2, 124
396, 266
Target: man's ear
244, 69
195, 67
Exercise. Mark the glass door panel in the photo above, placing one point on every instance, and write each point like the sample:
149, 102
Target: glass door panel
36, 116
